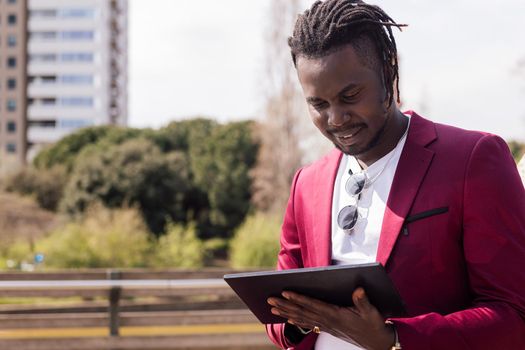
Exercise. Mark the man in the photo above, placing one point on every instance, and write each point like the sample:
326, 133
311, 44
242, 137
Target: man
443, 209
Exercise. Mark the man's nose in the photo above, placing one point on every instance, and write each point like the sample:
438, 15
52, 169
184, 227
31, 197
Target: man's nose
338, 117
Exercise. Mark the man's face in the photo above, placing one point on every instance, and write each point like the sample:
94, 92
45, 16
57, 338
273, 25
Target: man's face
346, 100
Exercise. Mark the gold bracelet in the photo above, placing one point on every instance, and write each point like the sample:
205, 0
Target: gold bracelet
397, 344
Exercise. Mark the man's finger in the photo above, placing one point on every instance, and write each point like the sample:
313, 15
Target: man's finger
297, 314
308, 303
361, 301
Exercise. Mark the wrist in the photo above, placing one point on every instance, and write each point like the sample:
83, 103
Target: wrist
294, 334
394, 342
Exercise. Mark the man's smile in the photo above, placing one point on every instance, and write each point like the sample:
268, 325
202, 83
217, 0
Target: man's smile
349, 137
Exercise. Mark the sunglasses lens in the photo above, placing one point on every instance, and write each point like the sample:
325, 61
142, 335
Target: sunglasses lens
355, 184
347, 217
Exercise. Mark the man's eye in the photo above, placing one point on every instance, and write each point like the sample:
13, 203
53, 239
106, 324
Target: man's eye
350, 97
319, 105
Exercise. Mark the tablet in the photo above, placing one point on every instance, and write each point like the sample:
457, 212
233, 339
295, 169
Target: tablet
332, 284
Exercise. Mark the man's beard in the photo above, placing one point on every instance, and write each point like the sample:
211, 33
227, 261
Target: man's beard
355, 151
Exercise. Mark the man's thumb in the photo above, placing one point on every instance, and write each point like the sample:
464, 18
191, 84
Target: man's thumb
361, 301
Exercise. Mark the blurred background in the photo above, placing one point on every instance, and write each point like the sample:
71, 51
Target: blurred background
161, 136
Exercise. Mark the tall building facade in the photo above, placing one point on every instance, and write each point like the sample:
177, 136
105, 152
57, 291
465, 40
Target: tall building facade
13, 35
71, 69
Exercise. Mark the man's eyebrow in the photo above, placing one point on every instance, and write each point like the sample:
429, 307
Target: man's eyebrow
347, 88
351, 86
313, 99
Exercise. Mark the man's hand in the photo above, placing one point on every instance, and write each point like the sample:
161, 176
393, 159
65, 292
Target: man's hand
362, 324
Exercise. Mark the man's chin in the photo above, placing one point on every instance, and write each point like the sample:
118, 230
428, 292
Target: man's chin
351, 150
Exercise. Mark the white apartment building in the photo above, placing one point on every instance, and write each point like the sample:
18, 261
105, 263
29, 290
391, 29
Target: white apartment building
77, 67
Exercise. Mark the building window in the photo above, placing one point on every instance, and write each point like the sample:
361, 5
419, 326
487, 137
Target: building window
11, 127
11, 105
43, 57
76, 79
11, 40
47, 35
11, 83
11, 62
43, 13
76, 57
42, 124
74, 123
42, 79
76, 13
11, 19
49, 101
77, 101
11, 148
77, 35
11, 1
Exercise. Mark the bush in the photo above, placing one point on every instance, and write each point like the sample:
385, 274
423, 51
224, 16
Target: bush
256, 242
65, 151
17, 253
133, 173
179, 247
517, 149
216, 248
103, 238
45, 185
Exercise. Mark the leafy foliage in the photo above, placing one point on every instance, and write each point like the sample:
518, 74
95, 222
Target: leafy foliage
45, 185
65, 151
221, 168
256, 242
103, 238
179, 247
133, 173
193, 170
108, 238
517, 149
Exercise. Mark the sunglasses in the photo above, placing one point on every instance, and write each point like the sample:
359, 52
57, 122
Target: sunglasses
354, 186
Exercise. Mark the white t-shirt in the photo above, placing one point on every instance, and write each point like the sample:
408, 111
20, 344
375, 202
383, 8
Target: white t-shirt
360, 246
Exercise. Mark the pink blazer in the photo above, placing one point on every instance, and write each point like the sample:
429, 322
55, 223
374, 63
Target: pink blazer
458, 267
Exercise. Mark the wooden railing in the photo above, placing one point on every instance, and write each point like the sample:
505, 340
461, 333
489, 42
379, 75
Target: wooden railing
190, 310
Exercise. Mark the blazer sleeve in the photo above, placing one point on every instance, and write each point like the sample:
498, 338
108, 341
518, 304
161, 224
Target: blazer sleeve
289, 258
494, 251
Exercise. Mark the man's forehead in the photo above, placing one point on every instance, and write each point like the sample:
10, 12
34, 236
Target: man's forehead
339, 68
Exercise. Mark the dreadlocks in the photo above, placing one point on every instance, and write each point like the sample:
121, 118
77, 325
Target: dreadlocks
329, 25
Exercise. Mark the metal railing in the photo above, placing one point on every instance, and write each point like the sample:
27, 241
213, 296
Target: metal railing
224, 308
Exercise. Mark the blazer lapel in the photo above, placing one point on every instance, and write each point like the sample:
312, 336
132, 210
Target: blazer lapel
324, 190
411, 169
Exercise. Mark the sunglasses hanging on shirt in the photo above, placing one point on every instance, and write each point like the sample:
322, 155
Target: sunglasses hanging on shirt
354, 186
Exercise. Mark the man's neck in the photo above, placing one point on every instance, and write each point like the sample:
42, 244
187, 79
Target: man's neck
394, 130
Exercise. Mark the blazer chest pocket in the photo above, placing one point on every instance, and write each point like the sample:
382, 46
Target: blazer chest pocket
422, 215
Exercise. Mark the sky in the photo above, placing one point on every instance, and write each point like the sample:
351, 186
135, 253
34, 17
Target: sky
459, 61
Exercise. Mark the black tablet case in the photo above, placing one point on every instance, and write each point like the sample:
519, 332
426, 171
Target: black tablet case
332, 284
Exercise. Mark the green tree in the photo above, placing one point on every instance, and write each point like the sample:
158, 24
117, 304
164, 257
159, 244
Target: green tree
133, 173
65, 151
45, 185
221, 168
181, 135
190, 136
